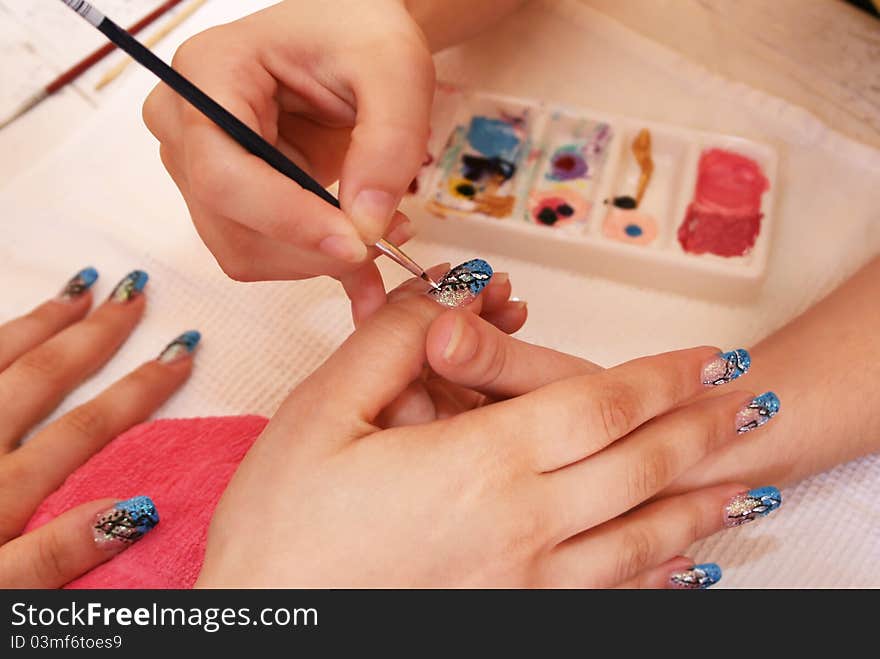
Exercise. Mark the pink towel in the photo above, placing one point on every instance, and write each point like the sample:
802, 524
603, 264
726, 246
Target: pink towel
184, 466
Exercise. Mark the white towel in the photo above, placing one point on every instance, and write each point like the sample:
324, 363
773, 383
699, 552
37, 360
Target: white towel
104, 199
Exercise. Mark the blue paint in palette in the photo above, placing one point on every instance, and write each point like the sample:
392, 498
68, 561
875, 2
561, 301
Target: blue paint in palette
494, 138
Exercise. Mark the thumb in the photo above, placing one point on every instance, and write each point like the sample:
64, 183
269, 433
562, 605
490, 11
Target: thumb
75, 542
341, 399
389, 139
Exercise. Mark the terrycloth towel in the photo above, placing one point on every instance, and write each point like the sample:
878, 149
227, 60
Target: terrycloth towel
184, 466
261, 339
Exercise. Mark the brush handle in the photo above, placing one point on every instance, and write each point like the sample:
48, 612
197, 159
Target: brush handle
241, 133
237, 129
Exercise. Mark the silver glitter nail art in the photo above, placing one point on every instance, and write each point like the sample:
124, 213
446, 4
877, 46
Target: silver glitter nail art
758, 412
726, 366
747, 506
462, 284
699, 577
125, 523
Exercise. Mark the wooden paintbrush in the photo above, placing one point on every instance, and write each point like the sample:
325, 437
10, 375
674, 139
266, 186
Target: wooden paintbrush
85, 64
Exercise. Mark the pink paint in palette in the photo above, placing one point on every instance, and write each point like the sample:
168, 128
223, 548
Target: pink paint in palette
641, 202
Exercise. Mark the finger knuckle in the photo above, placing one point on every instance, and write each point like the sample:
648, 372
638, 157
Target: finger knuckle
494, 356
45, 363
48, 561
615, 409
192, 51
83, 422
648, 474
636, 552
236, 268
209, 181
150, 112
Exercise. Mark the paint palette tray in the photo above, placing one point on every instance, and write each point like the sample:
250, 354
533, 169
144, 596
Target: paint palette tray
641, 202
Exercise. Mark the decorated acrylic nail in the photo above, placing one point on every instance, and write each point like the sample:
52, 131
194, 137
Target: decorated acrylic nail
758, 412
125, 523
130, 286
726, 366
699, 577
79, 284
748, 506
463, 283
180, 347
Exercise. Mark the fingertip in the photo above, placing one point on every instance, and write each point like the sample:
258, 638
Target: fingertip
366, 291
510, 318
371, 213
343, 248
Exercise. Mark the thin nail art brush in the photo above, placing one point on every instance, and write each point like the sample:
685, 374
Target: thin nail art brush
234, 127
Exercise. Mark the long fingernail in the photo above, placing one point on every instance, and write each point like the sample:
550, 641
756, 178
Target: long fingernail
180, 347
463, 342
463, 283
344, 248
129, 286
79, 284
699, 577
748, 506
726, 366
125, 523
370, 212
757, 412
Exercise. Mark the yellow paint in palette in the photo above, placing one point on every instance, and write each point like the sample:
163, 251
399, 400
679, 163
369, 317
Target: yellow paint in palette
481, 164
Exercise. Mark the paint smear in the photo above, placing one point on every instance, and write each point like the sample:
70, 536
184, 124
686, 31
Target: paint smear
629, 226
725, 216
480, 164
572, 157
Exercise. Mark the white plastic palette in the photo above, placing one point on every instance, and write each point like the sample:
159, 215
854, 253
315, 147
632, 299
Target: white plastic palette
547, 196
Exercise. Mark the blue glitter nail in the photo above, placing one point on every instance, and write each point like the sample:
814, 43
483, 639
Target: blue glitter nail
130, 286
758, 412
748, 506
125, 523
699, 577
726, 367
180, 347
463, 283
79, 283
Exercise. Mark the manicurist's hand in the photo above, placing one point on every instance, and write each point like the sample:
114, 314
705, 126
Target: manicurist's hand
44, 355
343, 88
535, 490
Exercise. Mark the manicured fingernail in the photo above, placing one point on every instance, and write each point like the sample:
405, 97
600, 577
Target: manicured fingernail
370, 212
726, 366
125, 523
79, 284
748, 506
699, 577
344, 248
463, 283
758, 412
180, 347
129, 286
463, 342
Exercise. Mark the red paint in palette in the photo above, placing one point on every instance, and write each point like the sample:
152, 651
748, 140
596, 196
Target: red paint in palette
725, 216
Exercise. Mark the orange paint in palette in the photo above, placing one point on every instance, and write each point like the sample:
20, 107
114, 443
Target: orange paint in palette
645, 203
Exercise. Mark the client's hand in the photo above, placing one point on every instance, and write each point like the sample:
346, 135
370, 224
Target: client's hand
538, 490
44, 355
